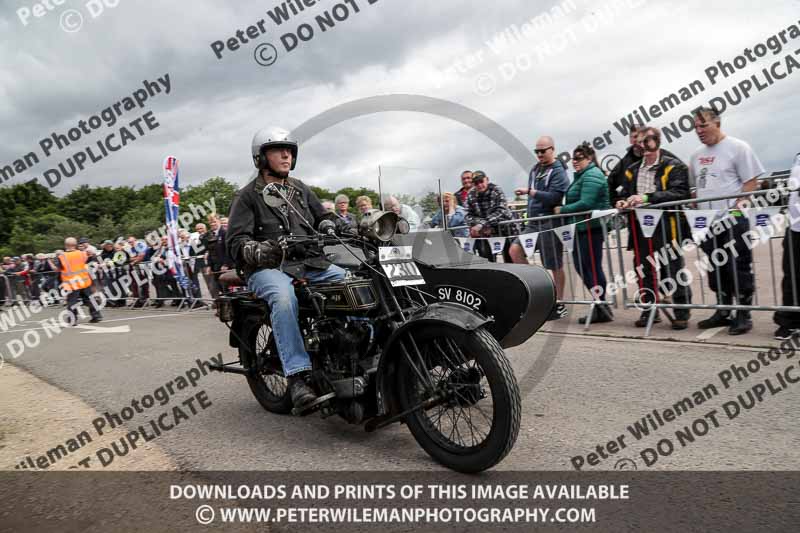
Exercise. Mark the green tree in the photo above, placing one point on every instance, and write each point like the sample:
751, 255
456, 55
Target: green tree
218, 188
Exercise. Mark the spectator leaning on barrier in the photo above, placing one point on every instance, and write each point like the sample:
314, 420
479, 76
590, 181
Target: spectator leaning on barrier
363, 204
789, 322
455, 216
214, 242
141, 288
589, 192
342, 203
4, 290
466, 185
656, 179
200, 244
726, 166
165, 283
394, 205
75, 278
547, 183
486, 208
109, 272
616, 178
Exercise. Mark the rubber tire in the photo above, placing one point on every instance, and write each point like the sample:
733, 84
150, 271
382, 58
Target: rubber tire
505, 393
268, 400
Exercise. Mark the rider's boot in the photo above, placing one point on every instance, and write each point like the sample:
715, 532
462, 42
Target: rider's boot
301, 392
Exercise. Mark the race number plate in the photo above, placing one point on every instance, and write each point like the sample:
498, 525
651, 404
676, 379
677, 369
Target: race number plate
460, 295
399, 266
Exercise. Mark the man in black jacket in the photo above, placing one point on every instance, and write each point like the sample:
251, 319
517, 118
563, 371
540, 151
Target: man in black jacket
616, 178
659, 177
257, 222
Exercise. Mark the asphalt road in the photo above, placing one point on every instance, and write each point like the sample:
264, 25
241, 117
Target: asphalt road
595, 388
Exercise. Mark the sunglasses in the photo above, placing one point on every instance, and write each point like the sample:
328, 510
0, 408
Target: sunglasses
578, 159
542, 151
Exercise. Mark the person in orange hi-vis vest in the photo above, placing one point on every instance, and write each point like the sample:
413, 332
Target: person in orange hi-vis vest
76, 280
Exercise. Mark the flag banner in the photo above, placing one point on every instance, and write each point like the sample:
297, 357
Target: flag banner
567, 236
700, 221
172, 200
648, 221
496, 244
466, 244
600, 213
528, 242
761, 218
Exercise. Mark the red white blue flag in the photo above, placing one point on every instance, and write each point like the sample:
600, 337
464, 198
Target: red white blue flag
172, 200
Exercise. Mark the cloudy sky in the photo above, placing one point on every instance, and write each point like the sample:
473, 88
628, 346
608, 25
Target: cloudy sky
572, 78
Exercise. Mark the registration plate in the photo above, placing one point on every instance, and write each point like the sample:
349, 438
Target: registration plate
398, 264
460, 295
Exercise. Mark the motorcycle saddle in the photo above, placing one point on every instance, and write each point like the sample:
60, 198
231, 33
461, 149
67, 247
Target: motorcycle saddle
231, 279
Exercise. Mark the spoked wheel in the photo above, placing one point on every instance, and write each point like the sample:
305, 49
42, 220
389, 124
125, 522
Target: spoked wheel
472, 408
267, 382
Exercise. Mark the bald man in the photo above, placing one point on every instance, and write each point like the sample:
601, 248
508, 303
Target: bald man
547, 183
75, 279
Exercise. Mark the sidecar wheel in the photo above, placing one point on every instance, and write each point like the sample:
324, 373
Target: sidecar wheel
474, 421
267, 382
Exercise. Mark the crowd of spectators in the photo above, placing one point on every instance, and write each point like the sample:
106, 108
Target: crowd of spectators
647, 175
201, 252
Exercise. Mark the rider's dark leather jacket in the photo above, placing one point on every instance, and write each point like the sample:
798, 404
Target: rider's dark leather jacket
251, 219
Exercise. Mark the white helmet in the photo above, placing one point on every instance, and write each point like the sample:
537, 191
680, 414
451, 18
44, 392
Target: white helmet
272, 137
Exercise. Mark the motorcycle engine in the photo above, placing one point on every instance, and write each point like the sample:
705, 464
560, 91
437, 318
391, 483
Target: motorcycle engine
340, 344
341, 348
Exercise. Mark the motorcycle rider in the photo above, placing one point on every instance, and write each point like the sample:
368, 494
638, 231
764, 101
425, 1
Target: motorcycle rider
256, 224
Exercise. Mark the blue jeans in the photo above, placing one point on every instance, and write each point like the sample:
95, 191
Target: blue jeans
275, 287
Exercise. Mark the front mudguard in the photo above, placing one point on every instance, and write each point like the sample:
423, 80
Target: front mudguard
444, 314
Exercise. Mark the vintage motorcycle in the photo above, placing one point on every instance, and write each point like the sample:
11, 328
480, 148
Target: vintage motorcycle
413, 334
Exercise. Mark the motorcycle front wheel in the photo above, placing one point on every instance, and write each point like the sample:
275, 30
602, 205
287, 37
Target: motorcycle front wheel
471, 407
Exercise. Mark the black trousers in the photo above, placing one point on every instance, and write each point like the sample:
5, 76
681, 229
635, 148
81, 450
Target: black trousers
85, 297
790, 286
484, 250
734, 272
669, 264
587, 255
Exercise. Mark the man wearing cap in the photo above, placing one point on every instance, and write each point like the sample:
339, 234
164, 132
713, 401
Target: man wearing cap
75, 280
486, 208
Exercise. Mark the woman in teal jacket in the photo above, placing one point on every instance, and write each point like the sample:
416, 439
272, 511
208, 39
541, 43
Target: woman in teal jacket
588, 192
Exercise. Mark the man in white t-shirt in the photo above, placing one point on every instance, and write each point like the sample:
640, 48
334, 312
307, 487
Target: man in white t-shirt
789, 322
726, 166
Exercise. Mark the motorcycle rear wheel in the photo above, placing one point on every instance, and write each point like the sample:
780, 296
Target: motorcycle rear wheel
476, 420
267, 384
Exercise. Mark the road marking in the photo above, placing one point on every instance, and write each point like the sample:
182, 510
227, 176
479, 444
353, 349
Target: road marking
196, 313
707, 334
97, 329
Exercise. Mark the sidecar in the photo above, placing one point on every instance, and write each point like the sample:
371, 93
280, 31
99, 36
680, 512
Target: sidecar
518, 297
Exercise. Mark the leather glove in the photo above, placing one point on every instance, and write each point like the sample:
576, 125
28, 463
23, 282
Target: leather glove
262, 254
